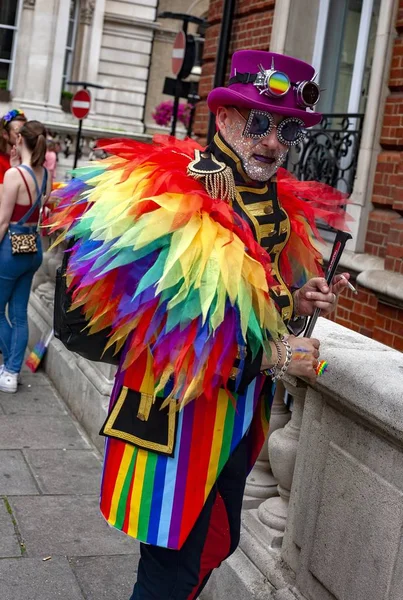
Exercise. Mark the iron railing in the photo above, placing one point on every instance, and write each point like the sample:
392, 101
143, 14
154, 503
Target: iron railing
329, 151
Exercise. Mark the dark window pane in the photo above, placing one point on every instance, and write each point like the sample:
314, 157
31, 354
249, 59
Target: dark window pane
4, 70
6, 43
70, 34
8, 12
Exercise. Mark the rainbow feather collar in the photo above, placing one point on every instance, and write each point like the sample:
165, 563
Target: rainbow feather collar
167, 267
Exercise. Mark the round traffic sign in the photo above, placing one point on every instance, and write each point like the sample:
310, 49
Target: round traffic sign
81, 104
178, 52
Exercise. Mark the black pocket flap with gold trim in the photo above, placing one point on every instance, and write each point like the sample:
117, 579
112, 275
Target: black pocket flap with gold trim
138, 419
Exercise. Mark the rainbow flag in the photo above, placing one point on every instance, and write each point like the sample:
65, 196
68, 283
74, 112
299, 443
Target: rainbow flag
34, 359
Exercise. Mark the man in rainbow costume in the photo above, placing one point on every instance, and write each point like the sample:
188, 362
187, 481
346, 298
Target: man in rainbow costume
200, 265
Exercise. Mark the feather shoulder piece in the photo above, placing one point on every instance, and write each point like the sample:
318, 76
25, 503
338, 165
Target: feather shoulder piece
306, 202
165, 266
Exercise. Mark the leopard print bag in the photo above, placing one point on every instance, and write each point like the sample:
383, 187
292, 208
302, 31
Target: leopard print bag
26, 242
23, 243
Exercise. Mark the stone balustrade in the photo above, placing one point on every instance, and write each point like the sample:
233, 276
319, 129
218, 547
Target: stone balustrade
334, 531
65, 137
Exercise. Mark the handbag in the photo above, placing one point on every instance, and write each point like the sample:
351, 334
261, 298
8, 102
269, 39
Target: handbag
71, 326
25, 242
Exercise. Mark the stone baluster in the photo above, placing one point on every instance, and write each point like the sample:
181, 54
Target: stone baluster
261, 484
283, 445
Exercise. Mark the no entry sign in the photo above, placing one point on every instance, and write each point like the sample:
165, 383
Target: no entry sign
81, 104
178, 52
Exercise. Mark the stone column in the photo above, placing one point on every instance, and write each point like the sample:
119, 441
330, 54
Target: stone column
39, 54
59, 51
283, 445
261, 484
97, 26
83, 43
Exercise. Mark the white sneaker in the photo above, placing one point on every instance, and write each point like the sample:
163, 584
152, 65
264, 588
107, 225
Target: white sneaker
8, 381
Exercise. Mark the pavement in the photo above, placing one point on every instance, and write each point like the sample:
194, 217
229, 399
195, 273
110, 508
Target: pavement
54, 542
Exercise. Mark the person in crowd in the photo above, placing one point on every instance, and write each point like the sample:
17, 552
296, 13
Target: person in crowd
200, 267
25, 189
10, 124
51, 158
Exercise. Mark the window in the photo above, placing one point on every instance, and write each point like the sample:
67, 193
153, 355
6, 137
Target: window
9, 14
71, 42
351, 25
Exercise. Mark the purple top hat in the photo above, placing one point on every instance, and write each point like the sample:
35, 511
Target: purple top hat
270, 82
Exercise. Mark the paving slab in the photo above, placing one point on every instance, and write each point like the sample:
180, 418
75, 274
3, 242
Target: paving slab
32, 400
18, 431
9, 544
15, 476
105, 577
67, 526
33, 579
33, 379
65, 472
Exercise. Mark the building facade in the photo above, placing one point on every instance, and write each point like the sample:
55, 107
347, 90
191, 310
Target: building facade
356, 48
120, 45
105, 42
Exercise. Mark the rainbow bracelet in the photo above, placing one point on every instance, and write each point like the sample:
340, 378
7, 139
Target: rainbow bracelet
322, 367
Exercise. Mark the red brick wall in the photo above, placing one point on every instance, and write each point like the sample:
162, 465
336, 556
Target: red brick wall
382, 238
365, 314
251, 29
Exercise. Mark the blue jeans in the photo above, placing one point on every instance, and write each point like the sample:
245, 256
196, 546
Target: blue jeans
16, 274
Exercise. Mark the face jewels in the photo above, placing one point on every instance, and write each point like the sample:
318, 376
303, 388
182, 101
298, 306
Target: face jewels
290, 131
259, 163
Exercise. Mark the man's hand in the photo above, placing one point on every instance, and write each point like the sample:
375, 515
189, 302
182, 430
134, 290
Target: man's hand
305, 354
15, 160
317, 294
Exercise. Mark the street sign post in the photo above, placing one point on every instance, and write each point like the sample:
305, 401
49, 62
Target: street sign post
178, 52
80, 108
81, 104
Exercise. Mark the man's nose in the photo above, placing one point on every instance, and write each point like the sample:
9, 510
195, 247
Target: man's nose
271, 141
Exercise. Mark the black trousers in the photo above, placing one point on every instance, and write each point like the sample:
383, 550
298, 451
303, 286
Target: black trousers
165, 574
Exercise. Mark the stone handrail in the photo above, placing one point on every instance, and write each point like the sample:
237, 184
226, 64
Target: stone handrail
337, 535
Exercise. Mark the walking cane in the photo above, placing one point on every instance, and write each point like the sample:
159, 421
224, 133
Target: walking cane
339, 243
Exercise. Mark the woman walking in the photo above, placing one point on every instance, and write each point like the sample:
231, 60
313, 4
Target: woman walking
25, 189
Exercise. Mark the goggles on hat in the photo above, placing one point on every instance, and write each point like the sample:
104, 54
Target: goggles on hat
276, 84
290, 131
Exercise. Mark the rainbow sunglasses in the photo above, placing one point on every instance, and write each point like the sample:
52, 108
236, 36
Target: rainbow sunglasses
276, 84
